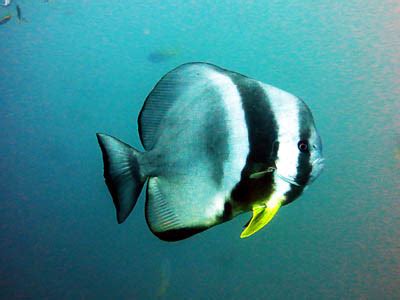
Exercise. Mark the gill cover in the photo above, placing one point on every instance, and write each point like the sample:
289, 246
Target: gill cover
262, 215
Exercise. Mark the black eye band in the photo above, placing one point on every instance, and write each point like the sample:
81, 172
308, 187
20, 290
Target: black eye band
303, 146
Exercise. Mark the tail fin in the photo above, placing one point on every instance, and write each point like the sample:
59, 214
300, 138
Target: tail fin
122, 174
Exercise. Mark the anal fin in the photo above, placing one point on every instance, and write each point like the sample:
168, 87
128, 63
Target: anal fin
165, 215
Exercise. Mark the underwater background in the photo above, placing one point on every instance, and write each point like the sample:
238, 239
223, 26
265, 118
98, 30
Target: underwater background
74, 68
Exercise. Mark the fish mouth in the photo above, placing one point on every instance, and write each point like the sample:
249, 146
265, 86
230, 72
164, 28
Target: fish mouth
319, 162
318, 166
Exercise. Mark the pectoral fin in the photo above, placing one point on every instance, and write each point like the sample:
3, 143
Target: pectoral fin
261, 217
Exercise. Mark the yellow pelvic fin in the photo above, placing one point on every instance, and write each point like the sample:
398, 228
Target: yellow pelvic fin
261, 217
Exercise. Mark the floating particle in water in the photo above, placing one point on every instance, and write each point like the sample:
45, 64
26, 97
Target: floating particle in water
163, 55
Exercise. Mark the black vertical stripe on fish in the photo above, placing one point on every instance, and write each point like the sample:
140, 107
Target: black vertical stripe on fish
304, 165
260, 120
262, 134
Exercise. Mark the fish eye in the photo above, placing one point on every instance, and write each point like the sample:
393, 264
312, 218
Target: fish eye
303, 146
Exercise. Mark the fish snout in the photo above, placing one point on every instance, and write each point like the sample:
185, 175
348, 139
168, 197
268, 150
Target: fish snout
317, 167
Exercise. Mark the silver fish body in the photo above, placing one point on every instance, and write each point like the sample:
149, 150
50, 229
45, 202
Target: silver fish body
217, 144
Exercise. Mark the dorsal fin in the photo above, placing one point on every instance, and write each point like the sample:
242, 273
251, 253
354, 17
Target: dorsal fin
186, 79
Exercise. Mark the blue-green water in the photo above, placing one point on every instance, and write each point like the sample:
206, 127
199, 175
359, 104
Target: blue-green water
75, 68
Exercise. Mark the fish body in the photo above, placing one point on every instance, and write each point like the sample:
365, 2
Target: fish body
6, 3
5, 19
19, 14
218, 144
161, 56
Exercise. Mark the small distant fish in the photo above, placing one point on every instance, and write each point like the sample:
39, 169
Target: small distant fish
218, 144
19, 14
160, 56
5, 19
165, 278
6, 3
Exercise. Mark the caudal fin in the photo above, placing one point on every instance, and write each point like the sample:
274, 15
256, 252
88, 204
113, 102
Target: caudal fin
122, 173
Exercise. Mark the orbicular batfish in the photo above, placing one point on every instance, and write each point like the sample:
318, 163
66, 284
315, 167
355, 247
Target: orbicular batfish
217, 144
